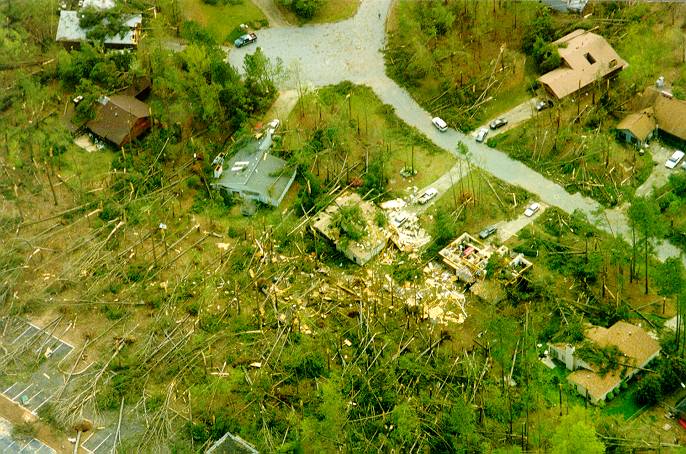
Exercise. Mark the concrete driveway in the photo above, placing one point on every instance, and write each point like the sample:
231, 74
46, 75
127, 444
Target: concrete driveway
660, 174
514, 117
508, 229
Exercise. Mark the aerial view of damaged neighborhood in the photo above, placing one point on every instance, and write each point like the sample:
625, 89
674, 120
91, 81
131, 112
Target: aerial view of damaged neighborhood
332, 226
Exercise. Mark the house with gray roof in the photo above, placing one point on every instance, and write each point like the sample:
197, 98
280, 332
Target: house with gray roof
71, 34
253, 174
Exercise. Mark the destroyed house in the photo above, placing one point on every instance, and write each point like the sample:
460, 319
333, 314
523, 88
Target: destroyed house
253, 174
120, 119
586, 58
362, 250
637, 348
658, 111
468, 257
71, 34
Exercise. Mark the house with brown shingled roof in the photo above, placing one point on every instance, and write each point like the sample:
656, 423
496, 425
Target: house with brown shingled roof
120, 119
657, 111
637, 349
586, 58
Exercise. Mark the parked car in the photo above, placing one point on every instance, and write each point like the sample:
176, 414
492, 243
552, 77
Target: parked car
427, 195
675, 159
245, 40
543, 105
274, 124
488, 231
532, 209
481, 134
498, 123
439, 124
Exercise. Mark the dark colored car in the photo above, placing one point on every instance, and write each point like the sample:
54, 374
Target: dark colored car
245, 40
498, 123
488, 231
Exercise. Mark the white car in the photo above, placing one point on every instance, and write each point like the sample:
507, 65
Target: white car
439, 124
532, 209
481, 134
427, 195
274, 124
675, 159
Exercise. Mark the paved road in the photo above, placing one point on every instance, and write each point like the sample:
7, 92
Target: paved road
326, 54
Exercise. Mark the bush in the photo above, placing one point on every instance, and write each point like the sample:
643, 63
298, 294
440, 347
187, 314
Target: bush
305, 9
649, 391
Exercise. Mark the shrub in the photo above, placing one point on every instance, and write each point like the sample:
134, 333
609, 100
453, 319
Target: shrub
649, 391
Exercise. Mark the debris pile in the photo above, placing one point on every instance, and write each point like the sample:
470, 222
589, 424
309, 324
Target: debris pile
436, 300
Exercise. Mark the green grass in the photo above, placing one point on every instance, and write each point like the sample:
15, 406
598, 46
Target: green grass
331, 11
221, 20
623, 405
362, 129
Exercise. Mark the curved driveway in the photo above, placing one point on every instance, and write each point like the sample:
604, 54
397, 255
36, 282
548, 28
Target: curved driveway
351, 50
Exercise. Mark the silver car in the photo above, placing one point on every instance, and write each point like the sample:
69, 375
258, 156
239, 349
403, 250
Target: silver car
481, 134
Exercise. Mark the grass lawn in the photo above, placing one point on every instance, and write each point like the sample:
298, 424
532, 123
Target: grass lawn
623, 405
488, 209
221, 20
358, 130
330, 11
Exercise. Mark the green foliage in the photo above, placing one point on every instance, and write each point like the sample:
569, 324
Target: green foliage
604, 359
24, 431
114, 311
93, 65
260, 76
540, 29
444, 230
575, 433
546, 56
196, 33
375, 179
649, 391
305, 9
308, 366
102, 24
405, 270
350, 221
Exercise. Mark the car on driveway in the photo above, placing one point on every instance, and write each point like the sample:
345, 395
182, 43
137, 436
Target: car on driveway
675, 159
532, 209
543, 105
427, 195
498, 123
481, 134
488, 231
246, 39
439, 124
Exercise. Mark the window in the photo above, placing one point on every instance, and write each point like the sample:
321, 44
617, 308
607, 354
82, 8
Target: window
589, 58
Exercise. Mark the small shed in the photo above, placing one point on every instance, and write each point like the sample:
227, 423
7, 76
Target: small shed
120, 119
